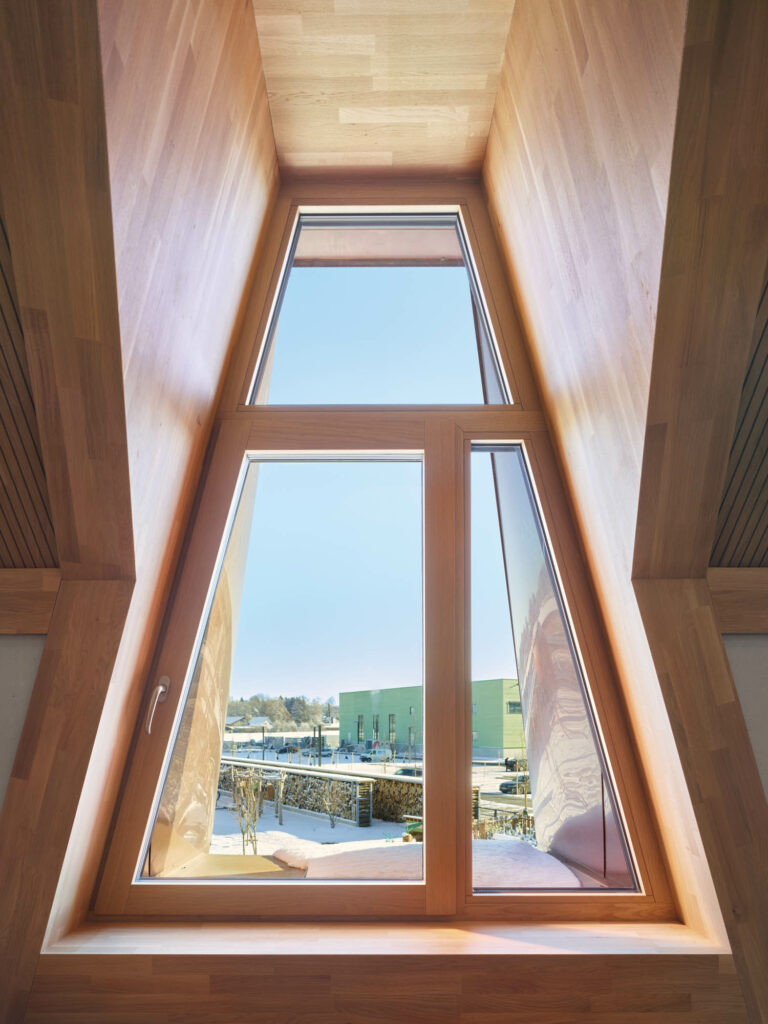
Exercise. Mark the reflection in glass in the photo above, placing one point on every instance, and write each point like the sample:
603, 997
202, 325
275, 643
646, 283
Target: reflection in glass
379, 309
295, 755
549, 808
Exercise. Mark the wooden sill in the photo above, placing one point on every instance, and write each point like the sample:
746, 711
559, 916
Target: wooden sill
380, 939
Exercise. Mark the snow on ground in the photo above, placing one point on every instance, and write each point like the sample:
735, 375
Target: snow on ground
308, 842
506, 862
298, 825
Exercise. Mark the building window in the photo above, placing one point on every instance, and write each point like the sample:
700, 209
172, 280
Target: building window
428, 413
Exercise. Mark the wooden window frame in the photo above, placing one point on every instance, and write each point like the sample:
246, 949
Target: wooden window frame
443, 436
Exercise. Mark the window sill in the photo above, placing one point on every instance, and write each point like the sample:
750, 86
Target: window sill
384, 939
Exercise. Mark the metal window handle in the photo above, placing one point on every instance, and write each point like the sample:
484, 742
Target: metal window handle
159, 694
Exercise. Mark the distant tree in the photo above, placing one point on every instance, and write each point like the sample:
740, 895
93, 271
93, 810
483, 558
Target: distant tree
278, 714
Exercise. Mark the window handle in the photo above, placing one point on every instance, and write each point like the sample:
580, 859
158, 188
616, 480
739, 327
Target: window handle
159, 694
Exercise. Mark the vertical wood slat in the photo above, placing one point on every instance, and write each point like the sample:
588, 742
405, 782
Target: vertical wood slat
445, 683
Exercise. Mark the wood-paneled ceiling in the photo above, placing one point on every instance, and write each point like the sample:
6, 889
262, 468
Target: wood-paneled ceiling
382, 83
742, 523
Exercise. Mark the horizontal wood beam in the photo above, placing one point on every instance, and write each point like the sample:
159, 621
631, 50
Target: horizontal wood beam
740, 599
27, 597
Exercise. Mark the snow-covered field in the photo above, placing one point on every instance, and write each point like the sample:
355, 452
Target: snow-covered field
308, 842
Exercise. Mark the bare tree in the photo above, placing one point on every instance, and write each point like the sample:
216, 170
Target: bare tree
247, 801
328, 801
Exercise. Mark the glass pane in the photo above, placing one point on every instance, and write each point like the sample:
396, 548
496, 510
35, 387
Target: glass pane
544, 811
379, 310
295, 755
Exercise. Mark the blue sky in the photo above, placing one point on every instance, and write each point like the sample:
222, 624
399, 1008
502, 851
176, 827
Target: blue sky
332, 598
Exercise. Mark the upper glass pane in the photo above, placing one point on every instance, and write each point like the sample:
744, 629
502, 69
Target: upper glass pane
379, 310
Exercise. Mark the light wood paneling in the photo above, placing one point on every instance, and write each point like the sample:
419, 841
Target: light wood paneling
48, 771
740, 599
717, 755
56, 204
414, 989
382, 83
26, 530
192, 174
712, 277
741, 536
577, 174
27, 597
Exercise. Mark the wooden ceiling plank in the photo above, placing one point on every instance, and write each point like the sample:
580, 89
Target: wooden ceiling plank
345, 80
713, 273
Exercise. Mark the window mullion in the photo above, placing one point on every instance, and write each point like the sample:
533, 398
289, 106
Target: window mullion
444, 788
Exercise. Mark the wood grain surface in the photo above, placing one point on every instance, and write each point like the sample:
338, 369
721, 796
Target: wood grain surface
417, 989
27, 597
382, 83
740, 599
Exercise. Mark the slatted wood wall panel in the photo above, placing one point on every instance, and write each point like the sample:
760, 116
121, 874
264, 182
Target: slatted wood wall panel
26, 532
382, 83
742, 522
657, 989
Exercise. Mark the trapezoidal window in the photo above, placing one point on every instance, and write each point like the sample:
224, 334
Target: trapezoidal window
371, 694
379, 309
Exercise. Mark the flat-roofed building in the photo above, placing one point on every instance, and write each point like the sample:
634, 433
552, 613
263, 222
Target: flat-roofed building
393, 715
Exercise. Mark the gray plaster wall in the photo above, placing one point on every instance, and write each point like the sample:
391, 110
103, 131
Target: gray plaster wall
748, 658
19, 658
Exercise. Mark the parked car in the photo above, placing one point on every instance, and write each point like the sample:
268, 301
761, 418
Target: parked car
376, 756
515, 785
413, 772
289, 748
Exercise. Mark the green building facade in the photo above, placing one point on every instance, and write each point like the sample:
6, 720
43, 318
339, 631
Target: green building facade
394, 715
